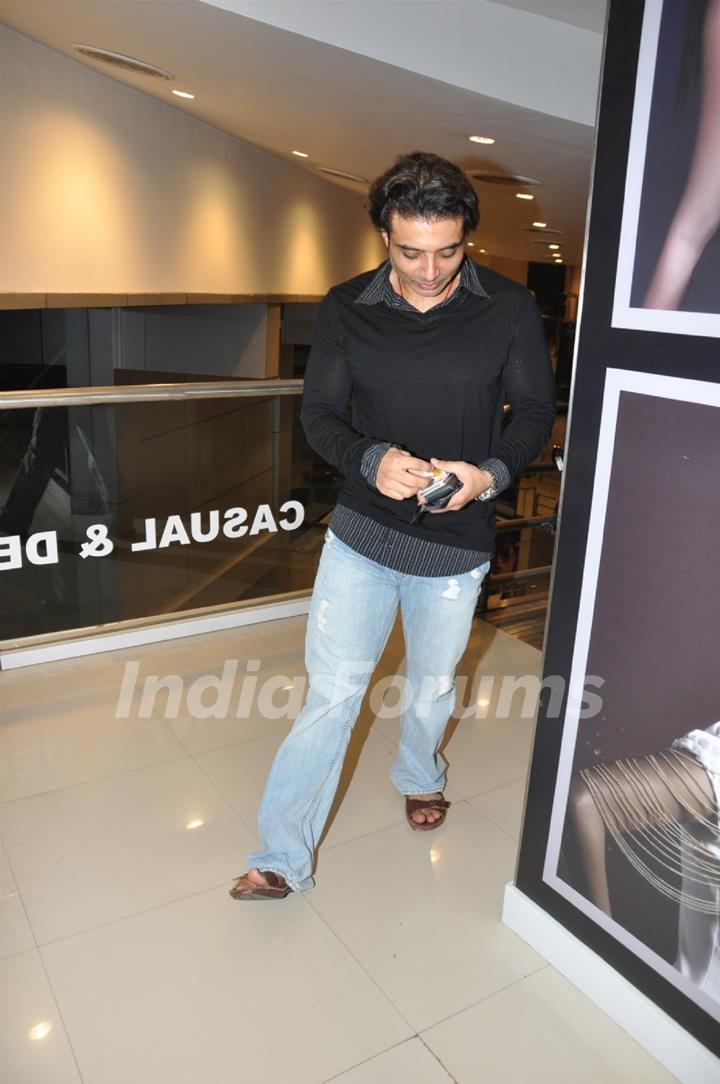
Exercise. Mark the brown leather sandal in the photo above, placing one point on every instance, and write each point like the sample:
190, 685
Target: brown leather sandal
276, 889
423, 805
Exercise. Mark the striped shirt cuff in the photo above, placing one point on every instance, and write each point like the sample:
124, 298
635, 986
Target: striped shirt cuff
371, 461
500, 474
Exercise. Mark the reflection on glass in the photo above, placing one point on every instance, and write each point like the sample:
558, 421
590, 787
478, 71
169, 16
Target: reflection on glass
158, 344
110, 512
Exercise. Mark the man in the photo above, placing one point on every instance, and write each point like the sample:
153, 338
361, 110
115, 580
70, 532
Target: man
426, 348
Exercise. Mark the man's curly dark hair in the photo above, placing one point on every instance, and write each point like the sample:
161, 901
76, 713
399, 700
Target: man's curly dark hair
423, 185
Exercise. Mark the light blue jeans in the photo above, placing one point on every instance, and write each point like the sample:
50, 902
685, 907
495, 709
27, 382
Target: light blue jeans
353, 609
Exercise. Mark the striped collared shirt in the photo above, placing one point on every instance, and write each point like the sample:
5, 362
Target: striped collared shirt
380, 289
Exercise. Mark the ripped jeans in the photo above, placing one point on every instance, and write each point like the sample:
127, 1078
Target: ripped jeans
353, 609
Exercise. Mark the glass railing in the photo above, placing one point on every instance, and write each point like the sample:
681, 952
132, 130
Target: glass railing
127, 505
515, 593
153, 502
137, 345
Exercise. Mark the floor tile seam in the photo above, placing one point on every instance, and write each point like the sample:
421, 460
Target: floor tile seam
486, 817
189, 679
515, 839
419, 1032
19, 952
372, 1057
157, 716
326, 846
101, 687
230, 745
422, 1033
365, 835
365, 971
491, 819
230, 808
6, 856
58, 1008
385, 828
19, 894
439, 1060
37, 713
289, 653
250, 828
381, 734
95, 779
500, 786
132, 914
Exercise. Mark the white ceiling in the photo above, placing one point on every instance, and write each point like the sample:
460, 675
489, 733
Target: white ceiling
495, 49
282, 90
587, 14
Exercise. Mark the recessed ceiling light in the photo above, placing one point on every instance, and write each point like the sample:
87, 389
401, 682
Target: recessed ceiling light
557, 261
121, 60
544, 232
470, 244
524, 195
553, 246
481, 139
341, 173
183, 94
487, 176
301, 154
540, 225
482, 250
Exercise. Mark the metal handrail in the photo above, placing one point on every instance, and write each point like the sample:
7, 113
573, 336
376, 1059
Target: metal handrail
138, 393
526, 521
520, 574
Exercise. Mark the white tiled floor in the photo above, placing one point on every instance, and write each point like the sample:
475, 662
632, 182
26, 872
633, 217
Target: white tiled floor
121, 833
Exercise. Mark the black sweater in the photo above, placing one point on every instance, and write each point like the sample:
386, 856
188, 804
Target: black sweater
433, 383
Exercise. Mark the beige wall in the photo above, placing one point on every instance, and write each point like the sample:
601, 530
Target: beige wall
104, 189
505, 265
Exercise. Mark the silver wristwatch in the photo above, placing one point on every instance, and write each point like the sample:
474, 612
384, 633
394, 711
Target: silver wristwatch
492, 490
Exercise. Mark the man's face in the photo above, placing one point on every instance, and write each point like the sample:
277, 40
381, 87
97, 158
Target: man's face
425, 255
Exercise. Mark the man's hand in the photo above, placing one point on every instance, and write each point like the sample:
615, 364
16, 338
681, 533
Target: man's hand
393, 477
474, 482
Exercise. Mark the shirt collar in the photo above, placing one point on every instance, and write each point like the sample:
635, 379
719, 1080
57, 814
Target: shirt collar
376, 289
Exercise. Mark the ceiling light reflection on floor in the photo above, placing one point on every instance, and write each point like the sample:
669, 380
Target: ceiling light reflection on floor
435, 855
194, 824
40, 1030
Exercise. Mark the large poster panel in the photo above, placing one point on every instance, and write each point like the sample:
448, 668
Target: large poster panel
670, 244
648, 624
621, 835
